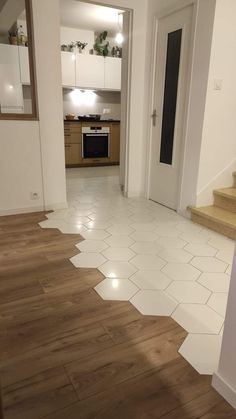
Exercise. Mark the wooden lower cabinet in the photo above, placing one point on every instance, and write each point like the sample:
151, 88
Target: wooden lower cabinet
73, 145
115, 143
73, 154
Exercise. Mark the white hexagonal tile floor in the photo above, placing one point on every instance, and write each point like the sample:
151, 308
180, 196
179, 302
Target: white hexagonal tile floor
116, 289
154, 303
188, 292
151, 280
202, 352
88, 260
163, 263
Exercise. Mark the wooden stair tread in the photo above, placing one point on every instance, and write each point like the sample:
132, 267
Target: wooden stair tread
221, 215
226, 192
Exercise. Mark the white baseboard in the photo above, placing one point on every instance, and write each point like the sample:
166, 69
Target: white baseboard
224, 389
54, 207
21, 211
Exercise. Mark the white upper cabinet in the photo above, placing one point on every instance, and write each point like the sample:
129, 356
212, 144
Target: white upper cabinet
68, 60
90, 71
113, 73
11, 95
24, 65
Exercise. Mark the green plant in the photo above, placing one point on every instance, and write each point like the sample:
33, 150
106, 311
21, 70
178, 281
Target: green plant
81, 45
100, 45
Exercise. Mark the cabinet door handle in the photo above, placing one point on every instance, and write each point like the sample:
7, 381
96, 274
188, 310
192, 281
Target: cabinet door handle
67, 146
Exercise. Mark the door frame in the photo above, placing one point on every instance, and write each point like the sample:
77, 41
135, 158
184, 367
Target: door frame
126, 89
157, 17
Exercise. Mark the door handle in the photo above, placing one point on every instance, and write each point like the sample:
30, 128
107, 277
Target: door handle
154, 117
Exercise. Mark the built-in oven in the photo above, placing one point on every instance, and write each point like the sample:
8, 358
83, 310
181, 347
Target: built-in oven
95, 142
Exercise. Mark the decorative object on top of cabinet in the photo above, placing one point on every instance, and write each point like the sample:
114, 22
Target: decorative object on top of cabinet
116, 52
18, 37
64, 47
81, 46
71, 46
100, 45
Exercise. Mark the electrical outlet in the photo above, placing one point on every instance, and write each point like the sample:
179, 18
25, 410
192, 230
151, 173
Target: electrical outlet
34, 196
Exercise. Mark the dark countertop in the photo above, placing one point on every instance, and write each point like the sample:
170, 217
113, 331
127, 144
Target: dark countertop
97, 122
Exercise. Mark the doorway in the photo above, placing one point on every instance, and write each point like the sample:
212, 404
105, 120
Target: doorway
95, 78
172, 63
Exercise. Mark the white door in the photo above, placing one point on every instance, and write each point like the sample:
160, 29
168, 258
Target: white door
169, 106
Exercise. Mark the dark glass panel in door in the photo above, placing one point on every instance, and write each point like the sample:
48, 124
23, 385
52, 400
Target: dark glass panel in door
170, 96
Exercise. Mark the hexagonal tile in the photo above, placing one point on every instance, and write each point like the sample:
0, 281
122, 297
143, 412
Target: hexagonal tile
72, 219
51, 223
188, 292
120, 230
188, 227
218, 302
98, 225
181, 272
154, 303
171, 242
216, 282
117, 269
146, 248
95, 234
66, 228
220, 242
116, 289
142, 226
200, 250
198, 318
143, 236
119, 254
202, 352
196, 238
175, 256
208, 264
151, 280
92, 246
226, 255
148, 262
167, 231
88, 260
119, 241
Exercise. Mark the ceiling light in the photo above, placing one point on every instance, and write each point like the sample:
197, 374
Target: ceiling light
119, 38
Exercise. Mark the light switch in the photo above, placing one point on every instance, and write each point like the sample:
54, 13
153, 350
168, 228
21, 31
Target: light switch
218, 84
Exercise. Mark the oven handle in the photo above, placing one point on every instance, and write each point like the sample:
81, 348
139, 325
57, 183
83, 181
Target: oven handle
96, 134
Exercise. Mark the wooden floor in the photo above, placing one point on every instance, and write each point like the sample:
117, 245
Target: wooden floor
66, 353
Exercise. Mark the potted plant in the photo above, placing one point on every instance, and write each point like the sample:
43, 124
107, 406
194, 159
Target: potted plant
64, 47
71, 46
101, 46
13, 37
81, 46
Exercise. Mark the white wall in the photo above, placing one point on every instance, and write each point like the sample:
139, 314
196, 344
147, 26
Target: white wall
20, 167
101, 100
218, 152
69, 35
224, 381
22, 170
49, 79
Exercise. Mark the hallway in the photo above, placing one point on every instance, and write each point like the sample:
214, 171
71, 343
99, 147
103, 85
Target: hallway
159, 261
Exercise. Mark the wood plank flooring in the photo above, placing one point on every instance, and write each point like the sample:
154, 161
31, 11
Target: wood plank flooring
66, 353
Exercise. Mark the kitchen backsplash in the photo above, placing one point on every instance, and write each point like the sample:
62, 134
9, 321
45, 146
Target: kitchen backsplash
83, 103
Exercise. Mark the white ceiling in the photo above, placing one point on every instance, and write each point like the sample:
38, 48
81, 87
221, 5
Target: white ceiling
77, 14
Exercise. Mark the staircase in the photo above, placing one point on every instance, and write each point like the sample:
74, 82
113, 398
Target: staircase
220, 217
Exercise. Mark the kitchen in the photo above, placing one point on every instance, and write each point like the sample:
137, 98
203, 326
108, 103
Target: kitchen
91, 53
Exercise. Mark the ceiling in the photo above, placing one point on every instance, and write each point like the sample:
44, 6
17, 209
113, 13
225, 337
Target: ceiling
77, 14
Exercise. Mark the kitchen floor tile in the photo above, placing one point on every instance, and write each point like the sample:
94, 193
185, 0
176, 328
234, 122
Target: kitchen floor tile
198, 318
154, 303
188, 292
116, 289
151, 280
